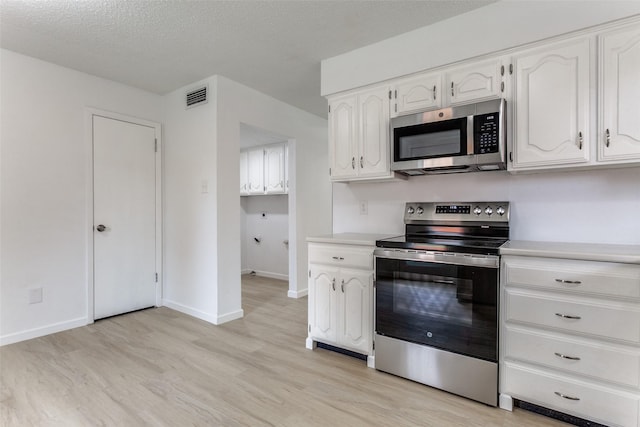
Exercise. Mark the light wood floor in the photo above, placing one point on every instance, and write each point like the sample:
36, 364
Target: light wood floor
159, 367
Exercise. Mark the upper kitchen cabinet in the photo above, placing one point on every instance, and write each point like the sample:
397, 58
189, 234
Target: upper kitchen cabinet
417, 93
359, 135
552, 106
476, 82
263, 170
274, 169
619, 130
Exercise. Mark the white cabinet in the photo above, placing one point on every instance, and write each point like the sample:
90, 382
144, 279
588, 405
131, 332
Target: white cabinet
359, 135
475, 82
570, 337
274, 167
552, 105
341, 296
263, 170
619, 130
422, 92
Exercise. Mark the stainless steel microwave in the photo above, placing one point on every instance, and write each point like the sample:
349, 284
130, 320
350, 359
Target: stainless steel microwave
465, 138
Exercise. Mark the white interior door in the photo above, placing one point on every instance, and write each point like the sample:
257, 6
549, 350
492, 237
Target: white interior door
124, 167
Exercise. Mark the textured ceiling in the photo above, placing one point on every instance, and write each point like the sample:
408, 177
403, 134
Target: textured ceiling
272, 46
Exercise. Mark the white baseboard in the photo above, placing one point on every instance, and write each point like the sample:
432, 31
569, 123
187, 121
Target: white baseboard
42, 331
198, 314
245, 271
268, 274
298, 294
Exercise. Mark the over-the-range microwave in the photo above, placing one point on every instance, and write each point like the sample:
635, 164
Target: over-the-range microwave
464, 138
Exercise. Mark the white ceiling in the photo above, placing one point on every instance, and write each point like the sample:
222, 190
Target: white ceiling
272, 46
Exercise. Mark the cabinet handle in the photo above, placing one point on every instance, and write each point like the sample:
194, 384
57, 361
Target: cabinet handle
608, 137
569, 282
510, 68
333, 283
434, 92
580, 140
502, 87
564, 396
568, 316
342, 286
353, 163
338, 258
451, 88
564, 356
361, 162
502, 70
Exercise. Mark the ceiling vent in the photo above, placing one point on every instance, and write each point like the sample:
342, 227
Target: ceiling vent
197, 97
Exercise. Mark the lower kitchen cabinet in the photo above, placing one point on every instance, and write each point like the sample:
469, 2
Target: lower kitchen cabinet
341, 296
570, 332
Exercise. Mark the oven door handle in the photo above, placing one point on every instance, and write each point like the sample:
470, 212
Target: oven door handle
488, 261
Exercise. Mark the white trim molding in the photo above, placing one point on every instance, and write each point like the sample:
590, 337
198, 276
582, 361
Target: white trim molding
42, 331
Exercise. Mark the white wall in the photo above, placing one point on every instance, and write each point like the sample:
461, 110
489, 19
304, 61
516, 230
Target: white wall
190, 231
202, 245
45, 185
588, 206
270, 257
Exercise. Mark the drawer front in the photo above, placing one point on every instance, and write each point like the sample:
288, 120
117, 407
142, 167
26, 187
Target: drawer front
342, 255
604, 405
608, 363
612, 321
588, 277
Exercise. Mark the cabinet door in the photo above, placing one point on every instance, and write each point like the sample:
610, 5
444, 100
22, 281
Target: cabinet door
355, 320
244, 173
343, 137
373, 144
419, 93
552, 106
274, 169
619, 136
256, 171
474, 82
322, 303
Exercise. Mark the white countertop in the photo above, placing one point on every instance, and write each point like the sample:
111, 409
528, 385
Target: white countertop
581, 251
364, 239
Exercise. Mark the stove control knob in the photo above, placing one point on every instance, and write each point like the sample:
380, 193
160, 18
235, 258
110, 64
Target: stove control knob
419, 211
488, 210
477, 210
410, 210
500, 211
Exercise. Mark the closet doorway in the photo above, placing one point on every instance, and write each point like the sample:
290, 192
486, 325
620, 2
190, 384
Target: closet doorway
264, 204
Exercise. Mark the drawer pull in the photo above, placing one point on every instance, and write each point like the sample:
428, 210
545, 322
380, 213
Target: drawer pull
338, 258
564, 396
568, 316
564, 356
569, 282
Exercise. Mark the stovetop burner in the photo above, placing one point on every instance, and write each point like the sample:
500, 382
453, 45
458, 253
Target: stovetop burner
461, 227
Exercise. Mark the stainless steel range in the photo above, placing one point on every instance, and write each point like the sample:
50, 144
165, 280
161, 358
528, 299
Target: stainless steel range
437, 297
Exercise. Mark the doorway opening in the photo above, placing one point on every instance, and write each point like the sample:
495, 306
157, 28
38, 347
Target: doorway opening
264, 203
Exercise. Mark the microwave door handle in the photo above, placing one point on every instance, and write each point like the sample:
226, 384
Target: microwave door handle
470, 135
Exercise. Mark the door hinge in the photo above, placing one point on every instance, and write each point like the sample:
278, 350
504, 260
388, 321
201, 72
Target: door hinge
329, 171
309, 273
156, 277
389, 94
155, 145
395, 93
329, 108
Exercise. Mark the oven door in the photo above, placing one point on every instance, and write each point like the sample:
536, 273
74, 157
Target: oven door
425, 299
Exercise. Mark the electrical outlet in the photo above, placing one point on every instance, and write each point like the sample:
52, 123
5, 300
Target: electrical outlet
204, 186
35, 296
364, 207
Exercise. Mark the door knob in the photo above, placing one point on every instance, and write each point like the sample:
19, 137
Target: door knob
101, 228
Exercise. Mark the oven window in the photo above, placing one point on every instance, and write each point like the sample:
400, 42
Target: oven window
451, 307
448, 138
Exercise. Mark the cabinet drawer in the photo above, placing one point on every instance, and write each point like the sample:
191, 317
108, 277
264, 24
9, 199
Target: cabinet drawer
611, 321
588, 277
602, 404
591, 359
342, 255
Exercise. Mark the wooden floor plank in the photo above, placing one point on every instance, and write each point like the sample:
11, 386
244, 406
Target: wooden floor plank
159, 367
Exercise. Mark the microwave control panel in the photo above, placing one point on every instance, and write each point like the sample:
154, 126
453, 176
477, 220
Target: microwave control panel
486, 133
